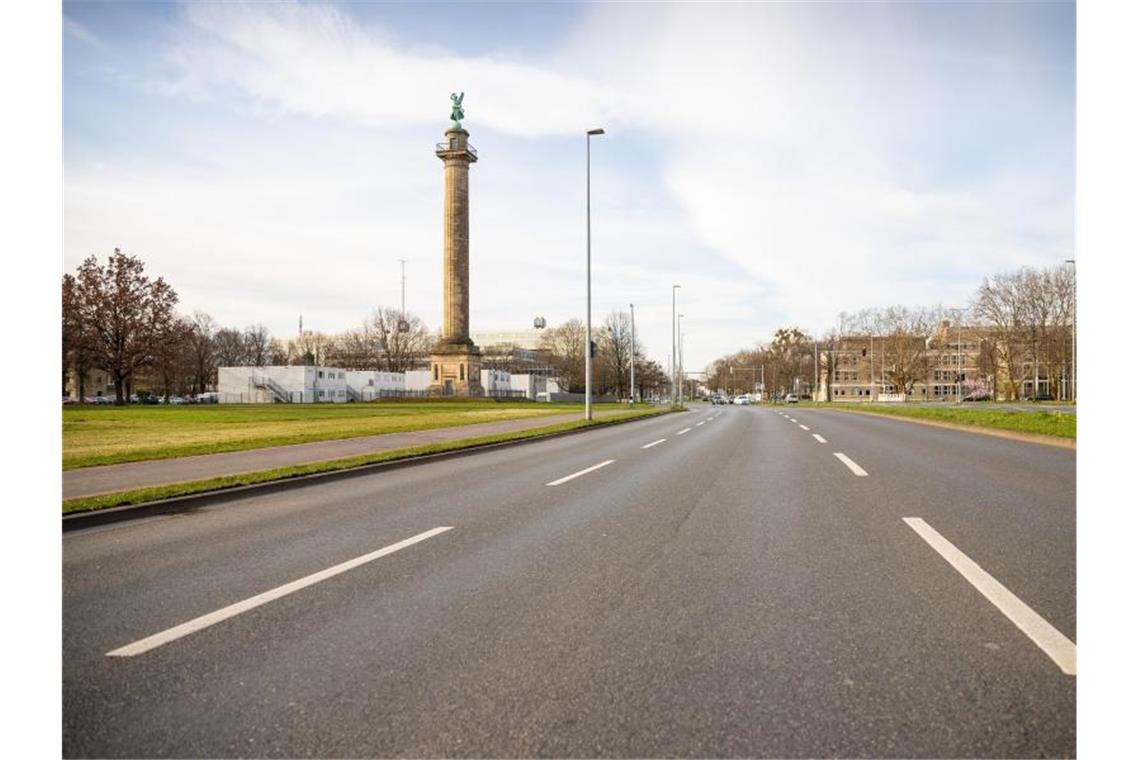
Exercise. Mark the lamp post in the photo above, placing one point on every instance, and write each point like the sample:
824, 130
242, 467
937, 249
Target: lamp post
1073, 349
673, 349
589, 332
679, 367
958, 364
632, 343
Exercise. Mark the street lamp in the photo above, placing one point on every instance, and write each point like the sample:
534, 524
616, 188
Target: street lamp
678, 367
632, 344
673, 348
1073, 350
589, 332
958, 369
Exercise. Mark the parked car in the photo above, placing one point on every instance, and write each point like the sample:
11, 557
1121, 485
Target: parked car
792, 398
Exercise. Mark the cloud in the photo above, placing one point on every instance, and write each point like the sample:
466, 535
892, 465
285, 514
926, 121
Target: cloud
783, 162
318, 62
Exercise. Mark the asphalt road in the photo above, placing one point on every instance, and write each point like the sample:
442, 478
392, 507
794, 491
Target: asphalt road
734, 590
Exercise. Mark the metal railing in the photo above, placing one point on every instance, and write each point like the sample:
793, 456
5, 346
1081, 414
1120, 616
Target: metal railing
446, 146
279, 393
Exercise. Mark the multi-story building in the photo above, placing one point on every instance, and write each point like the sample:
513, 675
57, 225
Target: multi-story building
968, 362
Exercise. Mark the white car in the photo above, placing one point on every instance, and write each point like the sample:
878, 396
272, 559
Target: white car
792, 398
741, 400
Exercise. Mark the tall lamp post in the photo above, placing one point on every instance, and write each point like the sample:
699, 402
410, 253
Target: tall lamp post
632, 344
673, 348
679, 366
589, 332
1073, 349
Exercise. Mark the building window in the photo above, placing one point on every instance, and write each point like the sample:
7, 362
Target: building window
462, 373
321, 374
322, 393
435, 371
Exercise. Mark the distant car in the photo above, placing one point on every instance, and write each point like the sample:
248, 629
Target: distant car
792, 398
742, 400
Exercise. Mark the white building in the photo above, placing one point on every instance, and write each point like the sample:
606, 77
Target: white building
495, 381
368, 385
417, 380
296, 385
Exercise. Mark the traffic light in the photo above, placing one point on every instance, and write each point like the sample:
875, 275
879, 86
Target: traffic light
593, 349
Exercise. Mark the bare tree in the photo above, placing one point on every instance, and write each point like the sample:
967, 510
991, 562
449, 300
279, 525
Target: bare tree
614, 354
230, 348
124, 313
403, 339
567, 346
202, 350
257, 345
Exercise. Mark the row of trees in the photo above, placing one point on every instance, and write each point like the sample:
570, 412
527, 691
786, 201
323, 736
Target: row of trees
117, 319
566, 346
1019, 324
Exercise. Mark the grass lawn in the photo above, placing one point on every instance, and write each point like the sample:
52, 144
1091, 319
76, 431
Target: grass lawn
1058, 424
99, 435
615, 413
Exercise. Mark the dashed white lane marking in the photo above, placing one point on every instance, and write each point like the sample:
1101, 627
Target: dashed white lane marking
700, 423
651, 445
598, 466
198, 623
851, 465
1054, 643
682, 432
793, 419
804, 427
819, 437
709, 419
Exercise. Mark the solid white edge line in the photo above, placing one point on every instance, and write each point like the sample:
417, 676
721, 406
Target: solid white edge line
598, 466
682, 432
651, 445
205, 621
819, 437
859, 471
804, 427
1051, 641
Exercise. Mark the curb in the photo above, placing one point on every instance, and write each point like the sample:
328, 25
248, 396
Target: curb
192, 502
1044, 440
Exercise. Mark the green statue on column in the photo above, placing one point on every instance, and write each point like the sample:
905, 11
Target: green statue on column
456, 110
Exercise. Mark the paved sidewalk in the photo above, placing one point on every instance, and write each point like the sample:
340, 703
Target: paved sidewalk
92, 481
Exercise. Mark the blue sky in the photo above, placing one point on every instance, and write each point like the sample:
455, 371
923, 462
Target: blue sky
781, 162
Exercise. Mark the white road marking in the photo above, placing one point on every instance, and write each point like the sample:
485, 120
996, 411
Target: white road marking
793, 419
819, 437
710, 419
598, 466
651, 445
804, 427
205, 621
851, 465
700, 423
1054, 643
682, 432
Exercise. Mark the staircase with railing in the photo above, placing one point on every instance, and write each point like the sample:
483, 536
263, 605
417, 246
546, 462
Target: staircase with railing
353, 394
269, 384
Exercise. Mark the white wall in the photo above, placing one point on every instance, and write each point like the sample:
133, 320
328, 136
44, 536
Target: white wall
495, 380
303, 384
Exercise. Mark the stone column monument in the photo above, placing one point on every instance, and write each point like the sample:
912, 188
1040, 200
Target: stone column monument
455, 361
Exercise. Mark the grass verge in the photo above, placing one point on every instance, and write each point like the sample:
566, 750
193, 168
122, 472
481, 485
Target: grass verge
94, 436
1055, 424
156, 493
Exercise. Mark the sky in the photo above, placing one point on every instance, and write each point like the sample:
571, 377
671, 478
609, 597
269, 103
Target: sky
781, 162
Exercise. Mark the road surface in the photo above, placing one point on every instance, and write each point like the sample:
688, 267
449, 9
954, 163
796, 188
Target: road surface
721, 582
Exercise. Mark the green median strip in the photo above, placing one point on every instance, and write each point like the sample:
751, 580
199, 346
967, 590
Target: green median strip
1056, 424
156, 493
